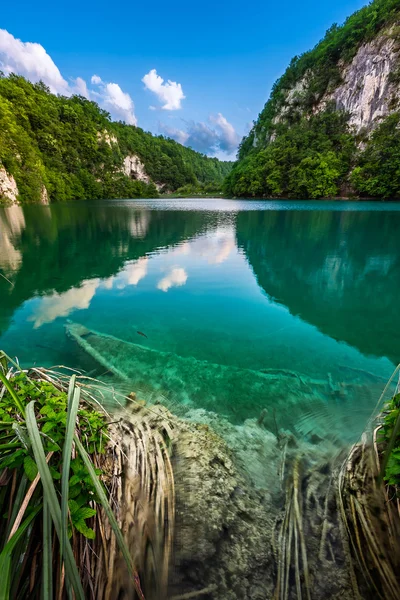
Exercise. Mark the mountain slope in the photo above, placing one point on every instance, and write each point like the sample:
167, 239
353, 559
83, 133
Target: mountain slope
54, 148
331, 125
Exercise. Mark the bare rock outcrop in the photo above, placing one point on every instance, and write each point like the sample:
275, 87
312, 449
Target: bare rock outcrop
369, 91
8, 187
135, 169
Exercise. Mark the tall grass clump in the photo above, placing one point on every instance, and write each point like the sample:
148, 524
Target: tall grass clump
369, 500
57, 512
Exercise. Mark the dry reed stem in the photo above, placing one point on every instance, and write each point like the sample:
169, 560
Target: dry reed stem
26, 501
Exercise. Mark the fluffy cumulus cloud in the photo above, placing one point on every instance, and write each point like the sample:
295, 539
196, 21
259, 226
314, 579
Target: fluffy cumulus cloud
95, 80
32, 61
169, 93
227, 136
113, 99
111, 96
81, 88
178, 135
218, 135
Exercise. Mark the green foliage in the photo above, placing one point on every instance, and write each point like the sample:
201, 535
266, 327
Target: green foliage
208, 189
168, 162
71, 147
308, 160
390, 438
51, 410
378, 171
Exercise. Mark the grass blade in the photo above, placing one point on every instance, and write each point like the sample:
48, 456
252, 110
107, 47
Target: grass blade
111, 517
5, 556
72, 411
47, 582
50, 496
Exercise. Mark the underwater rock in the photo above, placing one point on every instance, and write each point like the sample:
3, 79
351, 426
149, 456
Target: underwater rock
223, 525
255, 448
230, 540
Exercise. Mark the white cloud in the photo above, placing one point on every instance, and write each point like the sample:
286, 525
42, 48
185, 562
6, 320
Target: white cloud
170, 94
119, 103
202, 137
228, 138
175, 278
176, 134
61, 305
32, 61
81, 88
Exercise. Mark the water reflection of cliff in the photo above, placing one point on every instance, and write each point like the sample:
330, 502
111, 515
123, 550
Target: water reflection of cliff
45, 250
339, 271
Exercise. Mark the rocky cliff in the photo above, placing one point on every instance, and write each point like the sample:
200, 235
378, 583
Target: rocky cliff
330, 116
369, 91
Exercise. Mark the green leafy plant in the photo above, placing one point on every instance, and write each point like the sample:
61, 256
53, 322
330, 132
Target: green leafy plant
389, 437
50, 486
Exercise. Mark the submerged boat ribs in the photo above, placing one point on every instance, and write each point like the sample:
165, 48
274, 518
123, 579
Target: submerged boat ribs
286, 401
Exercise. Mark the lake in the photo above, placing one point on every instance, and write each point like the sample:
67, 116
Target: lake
302, 293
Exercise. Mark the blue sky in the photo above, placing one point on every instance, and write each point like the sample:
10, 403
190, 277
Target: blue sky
222, 57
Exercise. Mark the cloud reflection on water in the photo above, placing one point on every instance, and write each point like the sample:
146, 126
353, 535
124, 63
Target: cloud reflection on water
61, 305
176, 277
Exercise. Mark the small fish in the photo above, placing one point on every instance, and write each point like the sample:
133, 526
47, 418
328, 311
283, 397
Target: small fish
141, 333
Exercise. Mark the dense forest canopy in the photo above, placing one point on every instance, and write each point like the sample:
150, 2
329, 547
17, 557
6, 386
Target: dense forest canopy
72, 149
302, 149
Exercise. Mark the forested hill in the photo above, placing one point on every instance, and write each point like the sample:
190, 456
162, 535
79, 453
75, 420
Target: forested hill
332, 124
54, 148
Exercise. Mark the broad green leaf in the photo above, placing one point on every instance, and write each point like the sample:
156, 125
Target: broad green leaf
81, 526
85, 513
30, 468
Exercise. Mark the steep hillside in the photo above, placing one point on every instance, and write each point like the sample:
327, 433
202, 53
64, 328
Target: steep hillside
331, 125
54, 148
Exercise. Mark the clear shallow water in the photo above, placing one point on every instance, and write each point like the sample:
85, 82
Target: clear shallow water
305, 287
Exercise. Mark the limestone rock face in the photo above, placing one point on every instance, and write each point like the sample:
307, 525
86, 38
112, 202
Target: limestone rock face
44, 196
135, 169
368, 92
8, 187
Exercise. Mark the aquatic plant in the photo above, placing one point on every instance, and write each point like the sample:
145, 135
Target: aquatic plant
342, 517
61, 494
371, 510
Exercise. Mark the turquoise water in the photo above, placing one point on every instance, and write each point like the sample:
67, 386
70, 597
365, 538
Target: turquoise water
306, 287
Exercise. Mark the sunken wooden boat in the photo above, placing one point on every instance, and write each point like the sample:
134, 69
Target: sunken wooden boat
284, 399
